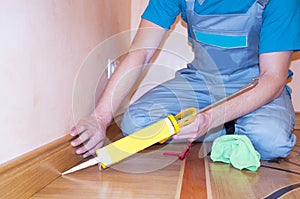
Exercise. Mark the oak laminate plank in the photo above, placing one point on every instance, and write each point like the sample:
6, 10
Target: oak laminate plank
228, 182
145, 175
194, 180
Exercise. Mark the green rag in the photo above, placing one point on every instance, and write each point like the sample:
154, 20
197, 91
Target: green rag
237, 150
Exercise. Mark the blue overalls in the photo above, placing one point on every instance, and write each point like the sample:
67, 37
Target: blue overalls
226, 59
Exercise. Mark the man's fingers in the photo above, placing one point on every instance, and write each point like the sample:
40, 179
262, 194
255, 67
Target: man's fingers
183, 137
87, 154
81, 139
73, 131
77, 130
81, 150
76, 142
188, 138
188, 132
93, 150
91, 144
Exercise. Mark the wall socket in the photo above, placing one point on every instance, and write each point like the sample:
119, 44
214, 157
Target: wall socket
111, 66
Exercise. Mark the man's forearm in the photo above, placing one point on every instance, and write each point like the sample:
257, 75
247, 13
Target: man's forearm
125, 77
120, 85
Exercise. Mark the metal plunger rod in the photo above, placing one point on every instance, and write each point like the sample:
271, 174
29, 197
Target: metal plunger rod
245, 88
188, 116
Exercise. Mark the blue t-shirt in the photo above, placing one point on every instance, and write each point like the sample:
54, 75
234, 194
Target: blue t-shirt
280, 30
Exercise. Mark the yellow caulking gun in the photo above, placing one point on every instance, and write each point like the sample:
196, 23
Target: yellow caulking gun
160, 132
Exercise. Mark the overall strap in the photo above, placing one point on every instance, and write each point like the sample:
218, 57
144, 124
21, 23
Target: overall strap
263, 3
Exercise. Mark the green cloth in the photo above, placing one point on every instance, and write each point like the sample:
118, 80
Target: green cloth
236, 150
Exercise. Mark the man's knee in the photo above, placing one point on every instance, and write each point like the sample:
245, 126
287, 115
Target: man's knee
270, 138
276, 148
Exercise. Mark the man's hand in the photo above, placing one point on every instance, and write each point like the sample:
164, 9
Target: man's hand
91, 135
196, 129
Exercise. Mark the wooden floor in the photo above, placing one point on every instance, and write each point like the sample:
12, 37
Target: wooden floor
151, 175
271, 181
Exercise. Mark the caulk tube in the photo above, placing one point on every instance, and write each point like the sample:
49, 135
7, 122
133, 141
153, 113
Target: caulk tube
157, 132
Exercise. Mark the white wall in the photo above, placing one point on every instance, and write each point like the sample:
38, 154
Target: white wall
43, 43
176, 43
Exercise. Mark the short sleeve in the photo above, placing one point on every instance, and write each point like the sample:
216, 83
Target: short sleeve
162, 12
281, 26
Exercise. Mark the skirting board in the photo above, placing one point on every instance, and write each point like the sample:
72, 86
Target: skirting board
24, 176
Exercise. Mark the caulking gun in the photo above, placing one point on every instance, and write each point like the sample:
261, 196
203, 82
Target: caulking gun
160, 132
